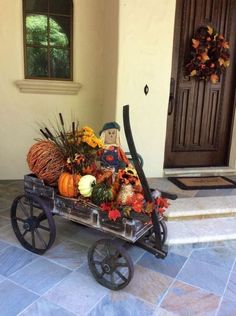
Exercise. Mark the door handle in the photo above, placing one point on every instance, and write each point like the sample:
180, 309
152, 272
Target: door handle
171, 96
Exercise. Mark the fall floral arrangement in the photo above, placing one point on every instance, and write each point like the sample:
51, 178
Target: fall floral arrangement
209, 55
128, 200
74, 154
78, 146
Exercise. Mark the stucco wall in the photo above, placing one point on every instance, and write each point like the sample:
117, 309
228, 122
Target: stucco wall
145, 52
110, 54
119, 47
19, 112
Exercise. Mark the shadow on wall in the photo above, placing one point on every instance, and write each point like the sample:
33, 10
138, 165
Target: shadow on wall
111, 40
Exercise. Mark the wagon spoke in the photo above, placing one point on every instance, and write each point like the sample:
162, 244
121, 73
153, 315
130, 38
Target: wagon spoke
99, 253
42, 217
33, 238
25, 232
31, 209
101, 274
41, 238
44, 228
23, 209
108, 251
112, 278
117, 254
122, 264
20, 219
97, 262
121, 275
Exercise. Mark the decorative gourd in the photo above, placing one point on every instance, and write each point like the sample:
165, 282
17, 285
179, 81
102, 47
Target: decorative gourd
125, 195
67, 184
102, 193
86, 185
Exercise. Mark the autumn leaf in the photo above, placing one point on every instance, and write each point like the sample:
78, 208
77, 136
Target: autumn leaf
210, 29
195, 43
226, 63
225, 44
149, 207
204, 57
214, 78
127, 210
221, 61
162, 202
106, 207
137, 206
193, 72
114, 214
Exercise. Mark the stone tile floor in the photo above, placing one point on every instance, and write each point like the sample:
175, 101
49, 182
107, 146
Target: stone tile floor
198, 279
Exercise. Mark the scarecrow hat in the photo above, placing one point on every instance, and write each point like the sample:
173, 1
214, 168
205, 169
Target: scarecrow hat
110, 125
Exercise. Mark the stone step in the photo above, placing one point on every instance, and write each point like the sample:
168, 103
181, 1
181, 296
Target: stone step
200, 171
201, 207
201, 230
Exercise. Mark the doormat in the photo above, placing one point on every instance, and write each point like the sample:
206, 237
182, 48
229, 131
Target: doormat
203, 183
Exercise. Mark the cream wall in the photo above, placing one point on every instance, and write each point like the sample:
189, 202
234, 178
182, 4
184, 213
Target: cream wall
145, 52
119, 47
19, 112
110, 65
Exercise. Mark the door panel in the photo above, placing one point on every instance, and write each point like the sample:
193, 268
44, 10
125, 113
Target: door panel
199, 126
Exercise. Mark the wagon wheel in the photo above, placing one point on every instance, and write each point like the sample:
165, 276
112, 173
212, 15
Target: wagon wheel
163, 229
32, 223
110, 264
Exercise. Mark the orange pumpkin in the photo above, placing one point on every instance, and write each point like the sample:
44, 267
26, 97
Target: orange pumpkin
68, 184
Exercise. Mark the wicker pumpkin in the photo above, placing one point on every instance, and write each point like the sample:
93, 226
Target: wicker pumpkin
68, 184
102, 193
46, 161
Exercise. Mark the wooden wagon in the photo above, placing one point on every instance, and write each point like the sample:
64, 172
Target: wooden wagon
32, 218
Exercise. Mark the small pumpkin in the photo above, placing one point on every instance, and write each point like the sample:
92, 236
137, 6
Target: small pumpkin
102, 193
86, 185
67, 184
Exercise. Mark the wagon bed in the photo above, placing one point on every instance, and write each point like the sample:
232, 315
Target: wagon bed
84, 212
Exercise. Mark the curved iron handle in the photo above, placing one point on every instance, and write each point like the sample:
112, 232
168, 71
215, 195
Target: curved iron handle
134, 155
146, 190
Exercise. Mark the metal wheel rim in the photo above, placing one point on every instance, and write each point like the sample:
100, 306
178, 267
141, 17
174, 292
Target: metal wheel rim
113, 267
34, 226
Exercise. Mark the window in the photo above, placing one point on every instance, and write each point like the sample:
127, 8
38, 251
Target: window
48, 39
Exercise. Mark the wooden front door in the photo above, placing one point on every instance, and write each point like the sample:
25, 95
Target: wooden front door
200, 113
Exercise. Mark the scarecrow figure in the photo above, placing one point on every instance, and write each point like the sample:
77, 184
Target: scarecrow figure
112, 156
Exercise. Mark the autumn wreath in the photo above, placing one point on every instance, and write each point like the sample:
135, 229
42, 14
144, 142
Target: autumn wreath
209, 55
